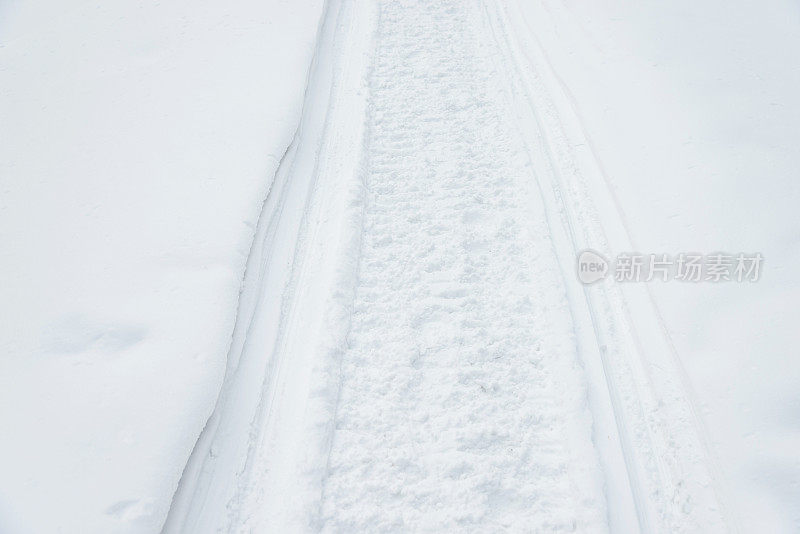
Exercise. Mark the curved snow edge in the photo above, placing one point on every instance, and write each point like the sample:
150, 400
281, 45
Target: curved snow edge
280, 385
250, 286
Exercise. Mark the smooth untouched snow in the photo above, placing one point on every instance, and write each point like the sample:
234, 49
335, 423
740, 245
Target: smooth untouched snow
137, 143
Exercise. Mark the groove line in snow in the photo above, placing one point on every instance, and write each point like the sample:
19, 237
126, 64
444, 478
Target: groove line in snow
562, 210
669, 462
691, 396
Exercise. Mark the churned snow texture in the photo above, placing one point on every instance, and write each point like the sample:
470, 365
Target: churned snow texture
462, 403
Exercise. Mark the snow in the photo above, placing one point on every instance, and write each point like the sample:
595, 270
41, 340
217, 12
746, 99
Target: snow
462, 403
259, 461
138, 143
288, 448
309, 266
690, 107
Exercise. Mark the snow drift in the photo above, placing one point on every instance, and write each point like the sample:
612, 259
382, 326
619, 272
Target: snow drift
138, 142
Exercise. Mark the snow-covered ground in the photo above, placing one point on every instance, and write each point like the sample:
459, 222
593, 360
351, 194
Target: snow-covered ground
137, 143
692, 110
461, 401
245, 290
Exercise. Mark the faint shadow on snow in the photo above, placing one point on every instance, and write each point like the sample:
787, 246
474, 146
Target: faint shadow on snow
131, 510
78, 333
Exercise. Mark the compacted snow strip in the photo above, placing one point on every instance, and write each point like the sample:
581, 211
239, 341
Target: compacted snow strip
462, 403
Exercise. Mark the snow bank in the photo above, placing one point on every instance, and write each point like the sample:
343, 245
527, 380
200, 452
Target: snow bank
138, 142
691, 109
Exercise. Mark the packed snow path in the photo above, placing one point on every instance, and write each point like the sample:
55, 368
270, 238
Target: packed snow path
413, 351
462, 404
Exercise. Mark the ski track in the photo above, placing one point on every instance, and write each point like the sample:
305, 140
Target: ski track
432, 364
462, 404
